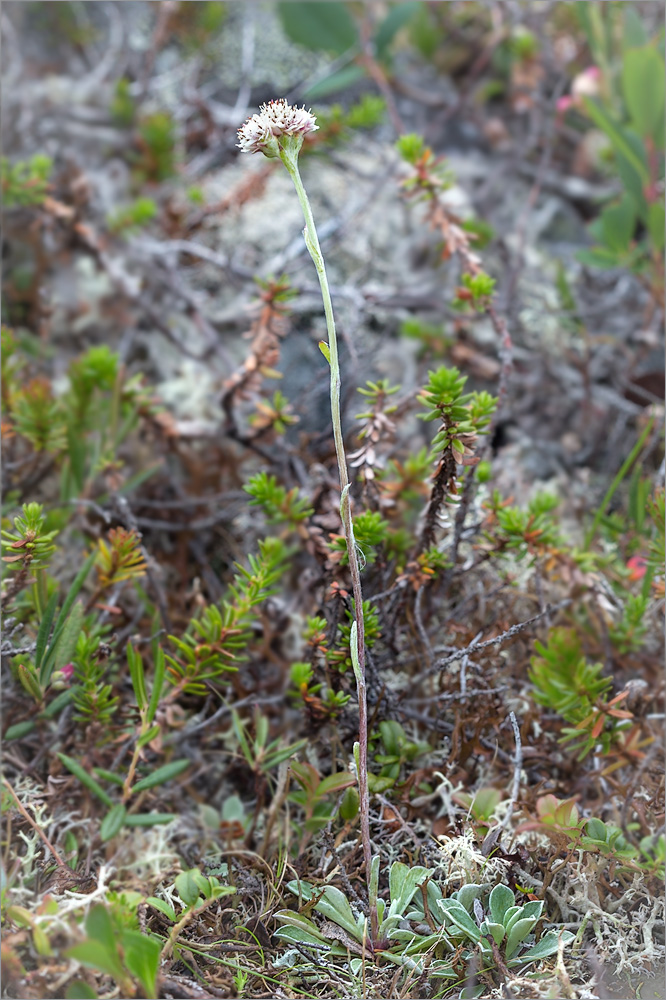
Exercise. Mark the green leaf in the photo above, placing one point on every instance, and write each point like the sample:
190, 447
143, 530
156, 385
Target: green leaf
204, 884
72, 594
19, 915
63, 649
142, 958
335, 783
303, 890
163, 907
631, 179
41, 941
116, 779
149, 819
618, 223
96, 956
100, 926
28, 678
18, 730
655, 224
325, 350
137, 676
468, 893
277, 756
326, 26
403, 883
232, 811
496, 930
458, 915
161, 775
301, 924
218, 891
397, 18
518, 933
644, 84
659, 137
373, 885
501, 898
349, 805
596, 830
113, 822
486, 948
86, 779
297, 935
340, 80
596, 28
533, 910
618, 136
306, 776
78, 990
239, 730
58, 703
158, 684
260, 732
45, 628
548, 945
598, 257
334, 904
149, 735
393, 736
440, 969
136, 480
633, 34
187, 888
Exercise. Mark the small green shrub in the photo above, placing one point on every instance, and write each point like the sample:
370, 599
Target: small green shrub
566, 683
133, 217
25, 182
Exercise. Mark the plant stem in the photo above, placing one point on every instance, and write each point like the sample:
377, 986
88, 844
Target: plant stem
129, 780
312, 243
16, 584
186, 919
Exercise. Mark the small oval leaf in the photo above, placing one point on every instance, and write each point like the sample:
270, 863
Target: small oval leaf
162, 775
113, 822
163, 907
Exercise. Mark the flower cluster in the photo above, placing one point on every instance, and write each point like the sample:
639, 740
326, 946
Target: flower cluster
259, 134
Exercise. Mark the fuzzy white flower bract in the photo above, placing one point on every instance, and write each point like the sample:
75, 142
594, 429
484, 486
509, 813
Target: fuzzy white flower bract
276, 118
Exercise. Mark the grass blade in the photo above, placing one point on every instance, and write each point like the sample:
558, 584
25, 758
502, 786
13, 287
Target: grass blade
610, 492
45, 628
72, 594
158, 683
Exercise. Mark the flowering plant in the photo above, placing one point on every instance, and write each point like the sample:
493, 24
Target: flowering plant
278, 131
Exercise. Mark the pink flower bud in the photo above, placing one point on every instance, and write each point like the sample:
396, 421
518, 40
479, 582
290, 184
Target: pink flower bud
563, 104
67, 671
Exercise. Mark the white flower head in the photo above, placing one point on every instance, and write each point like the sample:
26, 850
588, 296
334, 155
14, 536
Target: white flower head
260, 133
